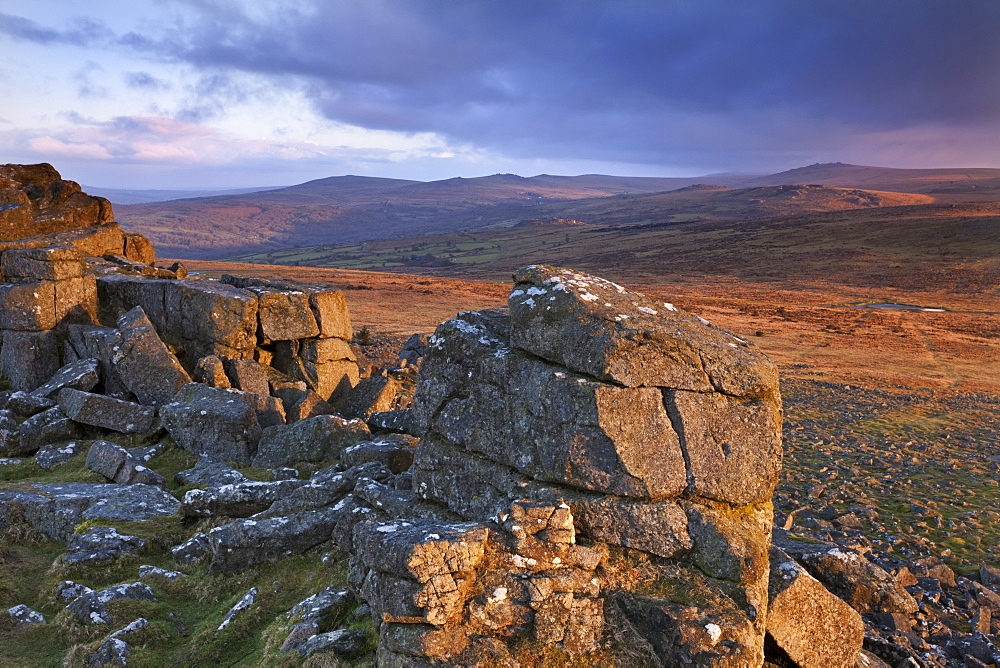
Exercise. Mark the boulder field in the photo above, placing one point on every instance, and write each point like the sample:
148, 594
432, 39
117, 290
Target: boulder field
584, 477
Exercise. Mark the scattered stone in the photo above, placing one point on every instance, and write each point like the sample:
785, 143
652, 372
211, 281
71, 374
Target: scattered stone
50, 456
10, 438
284, 473
215, 422
54, 509
238, 500
371, 395
91, 607
23, 404
193, 550
25, 616
116, 464
147, 452
130, 628
211, 371
323, 607
80, 375
342, 642
100, 545
316, 439
98, 410
415, 347
309, 405
145, 365
67, 590
242, 543
812, 626
179, 270
154, 571
989, 575
270, 410
860, 583
325, 488
241, 606
210, 473
399, 421
396, 457
111, 652
48, 427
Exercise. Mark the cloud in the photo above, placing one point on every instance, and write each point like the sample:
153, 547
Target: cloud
633, 79
158, 140
52, 146
82, 32
145, 81
86, 80
703, 85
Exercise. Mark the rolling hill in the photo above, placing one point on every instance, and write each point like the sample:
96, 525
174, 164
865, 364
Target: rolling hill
950, 247
946, 185
354, 208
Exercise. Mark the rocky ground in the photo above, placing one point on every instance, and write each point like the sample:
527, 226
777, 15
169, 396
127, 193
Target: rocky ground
911, 479
925, 467
907, 478
124, 539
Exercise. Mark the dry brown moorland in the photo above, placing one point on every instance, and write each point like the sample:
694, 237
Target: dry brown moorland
814, 331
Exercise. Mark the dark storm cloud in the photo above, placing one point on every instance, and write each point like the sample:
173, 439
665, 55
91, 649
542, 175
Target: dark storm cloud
629, 80
626, 79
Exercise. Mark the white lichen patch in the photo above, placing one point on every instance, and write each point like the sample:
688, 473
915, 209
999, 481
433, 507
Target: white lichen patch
499, 594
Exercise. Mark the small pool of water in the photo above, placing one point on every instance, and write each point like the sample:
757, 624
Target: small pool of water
905, 307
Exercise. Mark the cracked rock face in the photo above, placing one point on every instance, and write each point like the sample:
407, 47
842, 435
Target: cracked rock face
656, 431
599, 328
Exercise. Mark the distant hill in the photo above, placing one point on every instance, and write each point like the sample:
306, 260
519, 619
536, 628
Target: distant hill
719, 203
354, 208
958, 185
358, 208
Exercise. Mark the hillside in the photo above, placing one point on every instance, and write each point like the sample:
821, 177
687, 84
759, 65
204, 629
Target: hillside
946, 185
356, 209
954, 247
704, 202
353, 208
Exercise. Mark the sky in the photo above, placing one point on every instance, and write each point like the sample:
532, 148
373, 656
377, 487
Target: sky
234, 93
